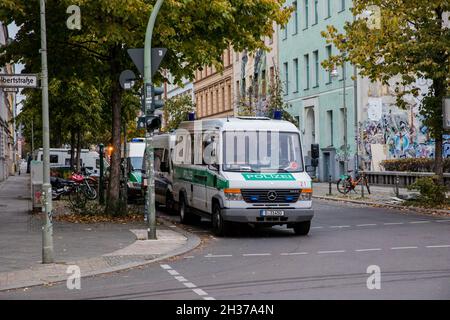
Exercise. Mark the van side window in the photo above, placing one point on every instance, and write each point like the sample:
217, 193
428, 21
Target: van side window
53, 158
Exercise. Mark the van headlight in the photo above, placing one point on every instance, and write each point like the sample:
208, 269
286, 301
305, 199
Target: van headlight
305, 195
233, 194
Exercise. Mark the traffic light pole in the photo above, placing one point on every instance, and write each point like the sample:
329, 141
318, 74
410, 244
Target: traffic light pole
148, 83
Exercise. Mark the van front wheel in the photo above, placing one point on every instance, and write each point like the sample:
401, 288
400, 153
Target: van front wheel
302, 228
220, 227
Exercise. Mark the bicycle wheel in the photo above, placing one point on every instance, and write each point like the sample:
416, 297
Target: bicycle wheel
344, 186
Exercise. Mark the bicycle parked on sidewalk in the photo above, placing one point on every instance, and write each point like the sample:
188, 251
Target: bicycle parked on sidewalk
347, 183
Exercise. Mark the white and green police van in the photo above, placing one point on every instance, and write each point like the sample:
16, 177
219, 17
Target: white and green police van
241, 170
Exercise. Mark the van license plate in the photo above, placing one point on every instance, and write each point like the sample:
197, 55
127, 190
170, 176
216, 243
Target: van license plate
272, 213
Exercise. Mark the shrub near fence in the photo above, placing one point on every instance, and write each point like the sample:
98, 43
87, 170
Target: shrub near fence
413, 165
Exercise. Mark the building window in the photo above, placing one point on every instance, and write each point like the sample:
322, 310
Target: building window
316, 11
306, 9
296, 75
263, 84
342, 6
330, 126
229, 97
295, 13
284, 31
328, 57
286, 77
222, 107
307, 69
272, 75
328, 8
238, 90
316, 68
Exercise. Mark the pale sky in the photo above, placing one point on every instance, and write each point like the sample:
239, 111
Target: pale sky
12, 30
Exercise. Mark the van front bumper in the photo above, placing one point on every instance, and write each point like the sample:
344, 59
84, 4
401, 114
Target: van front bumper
251, 215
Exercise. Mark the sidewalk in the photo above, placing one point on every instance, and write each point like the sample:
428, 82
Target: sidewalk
95, 248
379, 196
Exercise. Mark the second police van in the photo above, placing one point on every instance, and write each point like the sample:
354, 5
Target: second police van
236, 170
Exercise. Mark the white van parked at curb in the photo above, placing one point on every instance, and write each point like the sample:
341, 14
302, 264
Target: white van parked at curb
241, 170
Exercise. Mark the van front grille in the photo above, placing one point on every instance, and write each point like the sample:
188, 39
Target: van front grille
270, 195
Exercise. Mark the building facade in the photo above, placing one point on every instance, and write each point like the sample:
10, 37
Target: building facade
322, 101
254, 72
7, 105
213, 90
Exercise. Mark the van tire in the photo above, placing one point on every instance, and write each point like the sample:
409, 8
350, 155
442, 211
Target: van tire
220, 227
186, 217
302, 228
170, 203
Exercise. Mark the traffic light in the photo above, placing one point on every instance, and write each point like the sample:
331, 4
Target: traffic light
150, 123
157, 100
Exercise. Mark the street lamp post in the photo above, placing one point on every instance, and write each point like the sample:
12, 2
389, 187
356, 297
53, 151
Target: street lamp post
148, 83
47, 229
334, 73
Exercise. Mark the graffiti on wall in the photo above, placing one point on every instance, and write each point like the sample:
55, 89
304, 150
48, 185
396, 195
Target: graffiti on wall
403, 132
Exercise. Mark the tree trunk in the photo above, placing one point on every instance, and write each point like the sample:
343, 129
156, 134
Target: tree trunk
439, 161
78, 150
72, 150
116, 93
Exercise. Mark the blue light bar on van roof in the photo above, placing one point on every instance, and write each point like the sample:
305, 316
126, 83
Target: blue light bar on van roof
137, 140
191, 116
278, 114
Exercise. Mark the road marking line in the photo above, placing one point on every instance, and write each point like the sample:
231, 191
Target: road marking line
181, 279
208, 298
200, 292
393, 223
189, 257
166, 266
335, 251
173, 272
416, 222
256, 254
442, 221
442, 246
293, 253
366, 225
218, 256
365, 250
189, 285
403, 248
316, 227
340, 227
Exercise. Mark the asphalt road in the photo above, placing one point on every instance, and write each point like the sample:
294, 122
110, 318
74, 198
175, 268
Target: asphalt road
411, 251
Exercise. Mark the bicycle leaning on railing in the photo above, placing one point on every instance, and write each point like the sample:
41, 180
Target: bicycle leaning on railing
347, 183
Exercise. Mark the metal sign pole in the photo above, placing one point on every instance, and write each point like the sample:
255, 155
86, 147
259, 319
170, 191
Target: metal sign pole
150, 197
47, 230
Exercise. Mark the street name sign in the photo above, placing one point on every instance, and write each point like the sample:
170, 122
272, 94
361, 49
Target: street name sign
446, 109
18, 80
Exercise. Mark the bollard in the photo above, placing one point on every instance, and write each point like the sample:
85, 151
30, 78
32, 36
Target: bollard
362, 184
329, 186
397, 182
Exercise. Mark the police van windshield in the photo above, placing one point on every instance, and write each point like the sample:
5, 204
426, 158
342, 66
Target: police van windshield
262, 151
136, 163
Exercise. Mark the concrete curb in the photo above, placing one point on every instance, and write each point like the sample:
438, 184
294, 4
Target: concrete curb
192, 242
384, 205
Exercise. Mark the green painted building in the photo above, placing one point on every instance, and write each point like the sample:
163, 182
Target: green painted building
315, 95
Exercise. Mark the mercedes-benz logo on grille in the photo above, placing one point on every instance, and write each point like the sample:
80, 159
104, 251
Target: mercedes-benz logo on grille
272, 195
